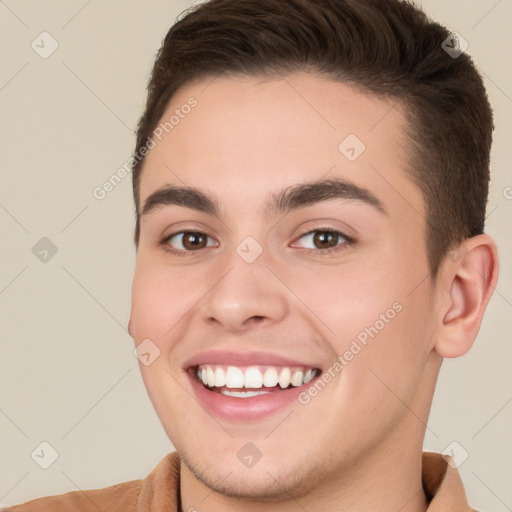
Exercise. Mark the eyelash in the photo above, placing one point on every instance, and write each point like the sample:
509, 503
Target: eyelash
339, 247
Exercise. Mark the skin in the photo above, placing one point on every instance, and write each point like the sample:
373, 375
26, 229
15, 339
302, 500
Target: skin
358, 443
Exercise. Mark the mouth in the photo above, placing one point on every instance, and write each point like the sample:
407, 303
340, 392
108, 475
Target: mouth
251, 381
248, 386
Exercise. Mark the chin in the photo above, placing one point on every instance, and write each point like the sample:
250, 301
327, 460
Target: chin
264, 482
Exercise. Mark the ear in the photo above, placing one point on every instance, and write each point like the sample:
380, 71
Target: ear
469, 277
130, 327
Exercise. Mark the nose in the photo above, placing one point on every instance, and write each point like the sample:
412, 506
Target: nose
247, 296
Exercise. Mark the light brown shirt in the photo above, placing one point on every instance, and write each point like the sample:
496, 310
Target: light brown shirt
160, 491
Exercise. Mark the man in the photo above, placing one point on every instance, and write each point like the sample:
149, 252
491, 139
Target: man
310, 180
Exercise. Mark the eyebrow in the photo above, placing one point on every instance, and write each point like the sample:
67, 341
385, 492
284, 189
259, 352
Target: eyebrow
292, 198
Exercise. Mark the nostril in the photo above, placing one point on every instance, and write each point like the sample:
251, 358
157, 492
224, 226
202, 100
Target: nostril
256, 319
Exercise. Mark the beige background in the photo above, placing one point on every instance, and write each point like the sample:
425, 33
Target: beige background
68, 375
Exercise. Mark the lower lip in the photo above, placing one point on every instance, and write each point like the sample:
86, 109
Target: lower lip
245, 409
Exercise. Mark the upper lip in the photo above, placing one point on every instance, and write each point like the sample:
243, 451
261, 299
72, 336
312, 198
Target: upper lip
246, 358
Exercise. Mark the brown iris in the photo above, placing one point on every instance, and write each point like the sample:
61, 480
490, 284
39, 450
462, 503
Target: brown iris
325, 239
193, 240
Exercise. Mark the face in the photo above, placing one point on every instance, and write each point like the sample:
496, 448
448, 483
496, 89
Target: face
305, 308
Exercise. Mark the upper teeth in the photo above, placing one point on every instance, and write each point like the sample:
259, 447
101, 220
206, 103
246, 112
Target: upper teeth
253, 376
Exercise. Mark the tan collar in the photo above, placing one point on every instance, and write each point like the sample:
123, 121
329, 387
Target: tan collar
442, 485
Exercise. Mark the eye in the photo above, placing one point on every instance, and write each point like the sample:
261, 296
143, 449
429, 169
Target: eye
317, 241
325, 240
187, 241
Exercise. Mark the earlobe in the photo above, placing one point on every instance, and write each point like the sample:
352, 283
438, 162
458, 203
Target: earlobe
469, 281
130, 327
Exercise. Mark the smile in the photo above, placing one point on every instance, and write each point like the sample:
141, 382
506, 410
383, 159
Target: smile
251, 381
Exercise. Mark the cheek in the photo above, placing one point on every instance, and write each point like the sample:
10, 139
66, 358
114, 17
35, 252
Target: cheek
346, 299
160, 297
369, 317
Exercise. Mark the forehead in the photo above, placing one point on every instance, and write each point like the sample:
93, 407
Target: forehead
247, 137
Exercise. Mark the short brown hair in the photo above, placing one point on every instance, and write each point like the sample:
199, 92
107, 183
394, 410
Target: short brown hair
389, 48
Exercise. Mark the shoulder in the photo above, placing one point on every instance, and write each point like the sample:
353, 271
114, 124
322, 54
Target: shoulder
119, 497
159, 488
